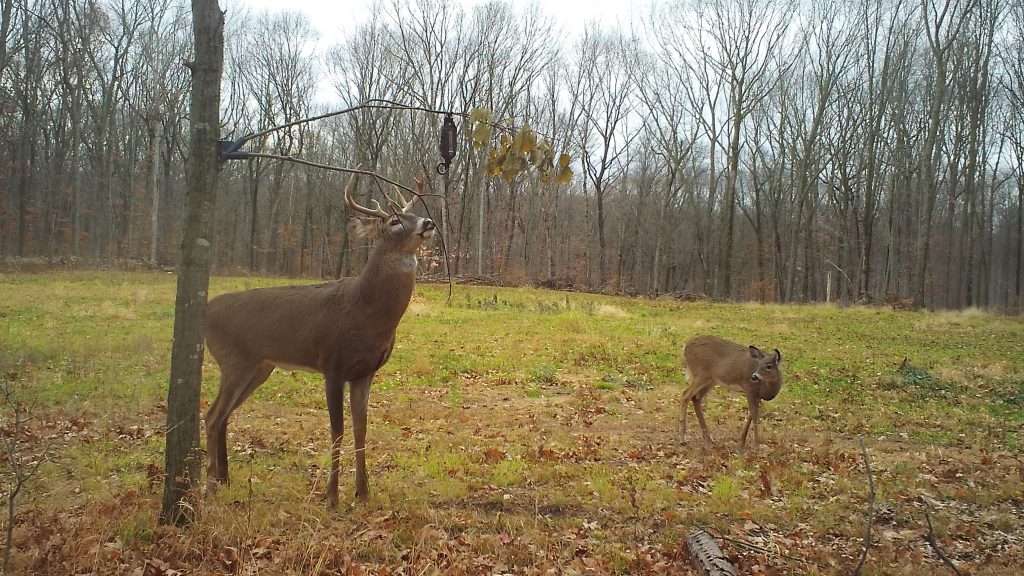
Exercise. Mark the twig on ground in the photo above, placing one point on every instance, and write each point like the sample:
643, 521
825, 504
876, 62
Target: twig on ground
19, 467
871, 510
930, 538
754, 547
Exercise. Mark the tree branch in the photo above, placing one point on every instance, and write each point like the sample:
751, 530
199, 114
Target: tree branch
871, 510
930, 538
369, 104
369, 173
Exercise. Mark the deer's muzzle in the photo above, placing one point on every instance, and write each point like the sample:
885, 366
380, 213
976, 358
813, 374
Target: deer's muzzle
428, 229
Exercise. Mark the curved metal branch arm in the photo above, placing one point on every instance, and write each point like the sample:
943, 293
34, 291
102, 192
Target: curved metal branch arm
231, 149
373, 103
297, 160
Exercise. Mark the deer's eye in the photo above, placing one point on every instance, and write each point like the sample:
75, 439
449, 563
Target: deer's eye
395, 222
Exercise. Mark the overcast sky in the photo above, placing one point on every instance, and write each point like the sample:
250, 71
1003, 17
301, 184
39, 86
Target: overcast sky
332, 18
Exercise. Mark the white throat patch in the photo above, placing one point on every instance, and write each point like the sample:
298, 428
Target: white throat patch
405, 262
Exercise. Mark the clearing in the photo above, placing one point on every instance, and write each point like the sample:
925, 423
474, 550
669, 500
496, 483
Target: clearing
523, 431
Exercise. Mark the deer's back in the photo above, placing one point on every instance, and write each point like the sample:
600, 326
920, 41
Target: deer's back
726, 361
283, 325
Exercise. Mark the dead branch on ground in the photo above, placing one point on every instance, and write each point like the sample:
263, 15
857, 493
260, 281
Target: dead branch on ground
871, 510
930, 538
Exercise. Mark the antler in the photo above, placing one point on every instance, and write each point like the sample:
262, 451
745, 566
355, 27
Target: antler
376, 212
400, 204
419, 188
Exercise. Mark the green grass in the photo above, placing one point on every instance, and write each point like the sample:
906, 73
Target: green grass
519, 429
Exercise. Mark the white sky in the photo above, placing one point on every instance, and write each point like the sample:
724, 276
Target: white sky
333, 18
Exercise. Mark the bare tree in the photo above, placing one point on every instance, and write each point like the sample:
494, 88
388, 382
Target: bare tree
362, 69
601, 90
733, 51
182, 457
943, 23
161, 85
1012, 59
887, 158
272, 74
21, 461
673, 133
883, 52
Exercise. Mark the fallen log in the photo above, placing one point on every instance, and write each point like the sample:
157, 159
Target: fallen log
707, 556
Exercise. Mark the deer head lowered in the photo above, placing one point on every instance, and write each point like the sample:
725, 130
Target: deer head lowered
745, 369
344, 329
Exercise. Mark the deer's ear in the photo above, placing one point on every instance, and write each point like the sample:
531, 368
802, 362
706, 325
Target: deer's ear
755, 352
364, 227
778, 356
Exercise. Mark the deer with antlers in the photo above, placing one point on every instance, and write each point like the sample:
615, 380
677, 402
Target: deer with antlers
344, 329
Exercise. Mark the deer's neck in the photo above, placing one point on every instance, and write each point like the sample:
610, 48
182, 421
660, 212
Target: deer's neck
386, 284
769, 392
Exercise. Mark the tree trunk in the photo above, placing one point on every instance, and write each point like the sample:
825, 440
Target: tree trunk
602, 271
155, 136
254, 197
729, 203
1018, 284
182, 455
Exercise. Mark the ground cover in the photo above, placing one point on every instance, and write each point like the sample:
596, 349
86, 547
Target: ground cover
524, 431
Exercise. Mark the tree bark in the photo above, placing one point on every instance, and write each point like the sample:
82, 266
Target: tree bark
182, 455
155, 127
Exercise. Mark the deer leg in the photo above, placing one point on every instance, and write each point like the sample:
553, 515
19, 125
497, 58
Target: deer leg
753, 415
336, 409
688, 396
235, 386
698, 401
360, 398
686, 402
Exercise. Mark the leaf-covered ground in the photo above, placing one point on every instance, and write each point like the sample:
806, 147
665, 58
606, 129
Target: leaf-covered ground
524, 431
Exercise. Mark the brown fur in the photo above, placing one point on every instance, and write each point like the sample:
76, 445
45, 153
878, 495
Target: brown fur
343, 329
711, 360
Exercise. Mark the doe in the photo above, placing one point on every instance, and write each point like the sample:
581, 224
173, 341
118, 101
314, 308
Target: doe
745, 369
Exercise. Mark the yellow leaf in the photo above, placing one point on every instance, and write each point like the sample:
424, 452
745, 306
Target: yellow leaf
542, 156
496, 161
481, 134
480, 114
512, 166
564, 175
525, 141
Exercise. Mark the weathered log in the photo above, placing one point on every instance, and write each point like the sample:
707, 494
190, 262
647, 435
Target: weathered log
707, 556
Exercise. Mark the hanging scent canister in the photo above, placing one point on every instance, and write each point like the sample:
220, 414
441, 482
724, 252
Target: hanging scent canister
449, 134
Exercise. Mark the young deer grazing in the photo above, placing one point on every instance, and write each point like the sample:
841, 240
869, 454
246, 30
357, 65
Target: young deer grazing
745, 369
344, 329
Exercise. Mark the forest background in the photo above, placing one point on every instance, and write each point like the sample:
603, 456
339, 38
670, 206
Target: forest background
765, 150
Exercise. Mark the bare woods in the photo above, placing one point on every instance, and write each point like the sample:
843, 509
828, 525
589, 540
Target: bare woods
745, 149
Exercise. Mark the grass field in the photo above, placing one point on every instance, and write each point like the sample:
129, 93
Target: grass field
524, 431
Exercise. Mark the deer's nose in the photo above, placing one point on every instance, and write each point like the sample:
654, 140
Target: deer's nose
755, 377
428, 229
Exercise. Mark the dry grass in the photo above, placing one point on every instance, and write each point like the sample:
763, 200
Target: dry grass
530, 432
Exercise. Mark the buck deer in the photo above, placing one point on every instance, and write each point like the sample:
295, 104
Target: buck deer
745, 369
344, 329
